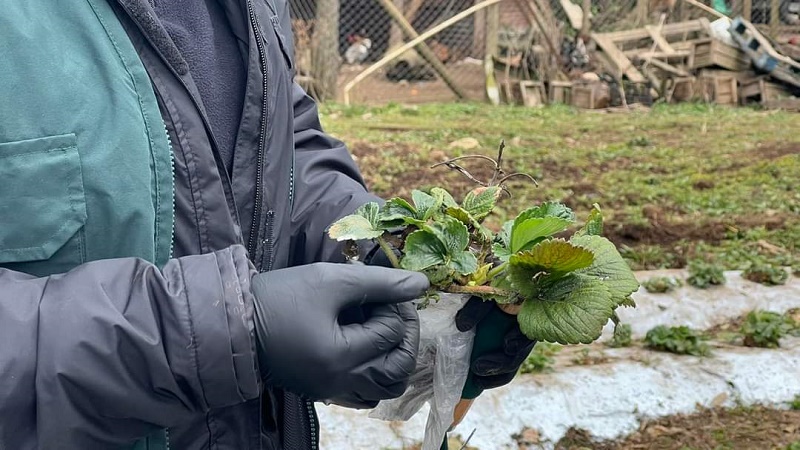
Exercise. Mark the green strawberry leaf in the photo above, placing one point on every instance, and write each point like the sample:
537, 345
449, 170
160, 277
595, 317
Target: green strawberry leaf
460, 214
594, 224
426, 204
444, 198
570, 310
464, 262
362, 224
479, 202
547, 209
422, 250
538, 223
504, 235
528, 232
608, 267
452, 234
555, 256
501, 252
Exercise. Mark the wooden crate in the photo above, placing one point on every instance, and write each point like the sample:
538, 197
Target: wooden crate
759, 90
711, 53
560, 92
532, 93
719, 89
583, 97
590, 96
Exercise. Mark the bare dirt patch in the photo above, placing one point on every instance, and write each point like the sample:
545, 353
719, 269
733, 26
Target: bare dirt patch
664, 231
710, 429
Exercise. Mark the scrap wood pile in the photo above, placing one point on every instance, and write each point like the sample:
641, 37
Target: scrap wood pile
725, 62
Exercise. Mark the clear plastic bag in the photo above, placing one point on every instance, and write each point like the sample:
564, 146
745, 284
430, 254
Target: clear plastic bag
442, 369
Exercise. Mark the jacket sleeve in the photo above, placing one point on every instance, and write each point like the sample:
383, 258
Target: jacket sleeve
111, 351
328, 185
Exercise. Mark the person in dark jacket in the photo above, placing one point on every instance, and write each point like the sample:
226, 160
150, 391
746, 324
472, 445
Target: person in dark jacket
165, 278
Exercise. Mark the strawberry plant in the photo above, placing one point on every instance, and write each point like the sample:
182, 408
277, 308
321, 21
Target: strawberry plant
681, 340
623, 336
660, 285
563, 288
703, 275
765, 329
766, 274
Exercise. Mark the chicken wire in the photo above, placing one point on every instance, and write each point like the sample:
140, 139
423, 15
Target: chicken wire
366, 33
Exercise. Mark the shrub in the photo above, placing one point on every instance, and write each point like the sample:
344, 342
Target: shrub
765, 329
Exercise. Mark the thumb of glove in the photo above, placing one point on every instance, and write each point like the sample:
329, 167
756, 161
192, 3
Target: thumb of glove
472, 313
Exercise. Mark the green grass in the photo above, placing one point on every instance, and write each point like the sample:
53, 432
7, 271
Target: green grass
679, 182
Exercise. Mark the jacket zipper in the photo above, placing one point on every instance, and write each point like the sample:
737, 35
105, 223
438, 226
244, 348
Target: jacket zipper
313, 423
256, 228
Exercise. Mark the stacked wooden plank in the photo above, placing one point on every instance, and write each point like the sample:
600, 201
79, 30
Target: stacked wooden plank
684, 61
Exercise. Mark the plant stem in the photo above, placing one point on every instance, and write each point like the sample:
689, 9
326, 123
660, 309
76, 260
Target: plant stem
456, 289
496, 271
389, 251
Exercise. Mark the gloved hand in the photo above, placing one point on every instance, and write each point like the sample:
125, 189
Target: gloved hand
495, 360
303, 347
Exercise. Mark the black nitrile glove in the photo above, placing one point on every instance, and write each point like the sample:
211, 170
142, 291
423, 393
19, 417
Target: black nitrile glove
499, 350
303, 347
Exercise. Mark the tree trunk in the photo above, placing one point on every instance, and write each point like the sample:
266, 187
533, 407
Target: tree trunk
325, 49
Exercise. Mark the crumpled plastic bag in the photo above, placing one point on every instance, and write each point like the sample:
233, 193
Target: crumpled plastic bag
442, 369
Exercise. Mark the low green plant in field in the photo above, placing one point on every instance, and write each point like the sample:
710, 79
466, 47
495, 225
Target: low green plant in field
680, 340
647, 257
588, 358
660, 285
622, 336
795, 403
541, 358
793, 446
765, 329
703, 275
765, 273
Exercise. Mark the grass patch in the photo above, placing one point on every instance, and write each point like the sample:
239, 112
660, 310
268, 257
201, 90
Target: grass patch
678, 183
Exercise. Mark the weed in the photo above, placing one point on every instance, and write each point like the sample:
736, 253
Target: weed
647, 257
795, 403
541, 358
640, 141
765, 273
703, 275
765, 329
586, 358
793, 446
681, 340
622, 336
660, 285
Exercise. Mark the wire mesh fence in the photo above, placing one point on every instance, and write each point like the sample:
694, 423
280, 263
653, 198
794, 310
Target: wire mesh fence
336, 40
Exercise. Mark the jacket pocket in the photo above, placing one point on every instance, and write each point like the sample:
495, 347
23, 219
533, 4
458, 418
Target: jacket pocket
42, 203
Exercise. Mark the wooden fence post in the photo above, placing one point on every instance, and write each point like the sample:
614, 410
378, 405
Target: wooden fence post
325, 59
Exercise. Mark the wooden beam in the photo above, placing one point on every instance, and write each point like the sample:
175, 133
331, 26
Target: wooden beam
667, 67
619, 59
574, 13
747, 10
668, 30
662, 43
774, 17
586, 14
424, 51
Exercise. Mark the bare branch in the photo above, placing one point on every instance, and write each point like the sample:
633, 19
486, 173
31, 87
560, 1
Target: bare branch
519, 174
464, 172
